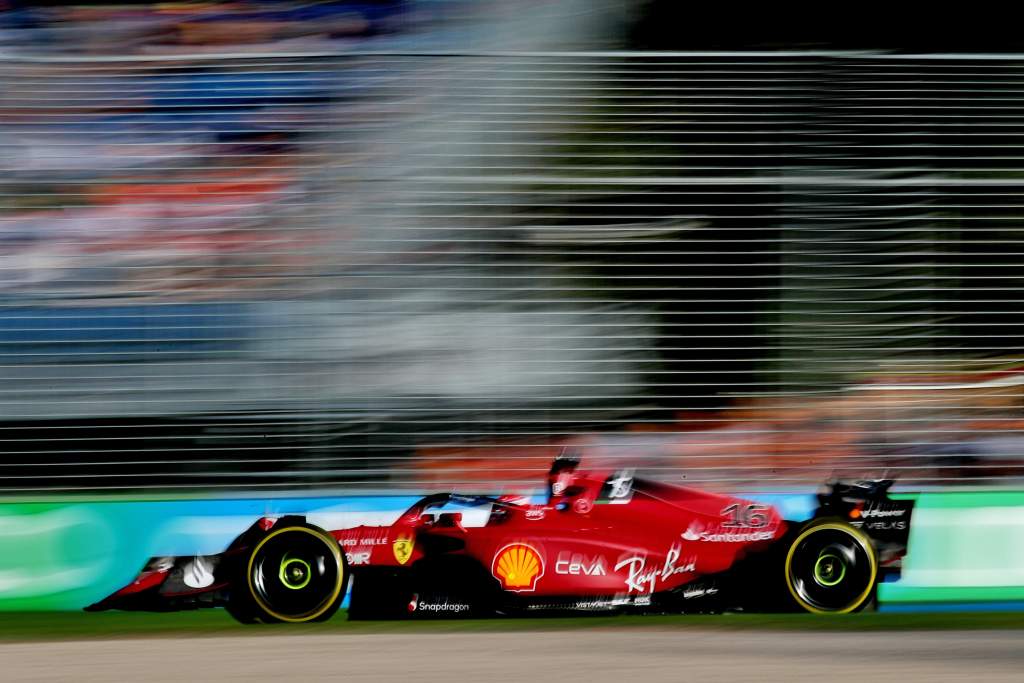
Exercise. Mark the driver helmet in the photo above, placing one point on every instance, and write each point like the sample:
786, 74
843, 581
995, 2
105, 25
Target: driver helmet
562, 475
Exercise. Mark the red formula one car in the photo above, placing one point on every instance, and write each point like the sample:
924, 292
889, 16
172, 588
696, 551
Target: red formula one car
603, 541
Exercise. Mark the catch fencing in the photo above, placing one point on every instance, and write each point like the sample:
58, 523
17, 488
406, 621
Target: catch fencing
409, 271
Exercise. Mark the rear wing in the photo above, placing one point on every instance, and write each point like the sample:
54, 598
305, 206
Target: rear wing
868, 506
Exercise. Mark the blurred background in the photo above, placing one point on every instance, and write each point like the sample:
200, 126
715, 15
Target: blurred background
404, 245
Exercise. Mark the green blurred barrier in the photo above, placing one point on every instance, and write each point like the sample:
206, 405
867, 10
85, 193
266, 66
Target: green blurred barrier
59, 556
964, 547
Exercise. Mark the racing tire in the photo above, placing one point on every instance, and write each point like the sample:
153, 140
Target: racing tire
241, 609
294, 574
831, 568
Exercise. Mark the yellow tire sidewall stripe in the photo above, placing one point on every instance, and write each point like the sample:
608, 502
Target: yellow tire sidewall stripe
335, 550
860, 537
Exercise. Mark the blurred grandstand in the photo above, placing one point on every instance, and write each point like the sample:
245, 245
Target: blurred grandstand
411, 244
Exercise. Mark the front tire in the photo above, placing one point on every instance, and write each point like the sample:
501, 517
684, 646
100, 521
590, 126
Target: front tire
831, 568
294, 574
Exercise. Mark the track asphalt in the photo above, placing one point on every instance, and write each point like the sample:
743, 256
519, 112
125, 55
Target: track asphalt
595, 655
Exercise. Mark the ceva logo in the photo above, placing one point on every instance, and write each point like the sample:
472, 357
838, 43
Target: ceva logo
577, 564
517, 567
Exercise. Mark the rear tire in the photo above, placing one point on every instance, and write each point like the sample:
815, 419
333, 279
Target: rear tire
294, 574
240, 608
831, 568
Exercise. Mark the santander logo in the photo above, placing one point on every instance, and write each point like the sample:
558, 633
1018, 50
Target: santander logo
699, 533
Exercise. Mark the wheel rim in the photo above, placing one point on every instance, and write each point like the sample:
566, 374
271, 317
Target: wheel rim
295, 574
831, 568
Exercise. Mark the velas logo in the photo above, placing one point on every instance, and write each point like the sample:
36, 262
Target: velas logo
402, 547
517, 567
882, 526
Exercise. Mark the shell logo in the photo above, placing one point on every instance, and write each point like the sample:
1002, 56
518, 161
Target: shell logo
518, 566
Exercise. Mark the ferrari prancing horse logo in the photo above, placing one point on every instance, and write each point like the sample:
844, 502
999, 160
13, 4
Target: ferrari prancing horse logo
402, 547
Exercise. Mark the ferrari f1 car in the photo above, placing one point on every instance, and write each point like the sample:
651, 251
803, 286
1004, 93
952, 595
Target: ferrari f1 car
602, 541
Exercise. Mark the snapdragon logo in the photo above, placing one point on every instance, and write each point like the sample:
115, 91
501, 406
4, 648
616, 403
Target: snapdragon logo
416, 605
